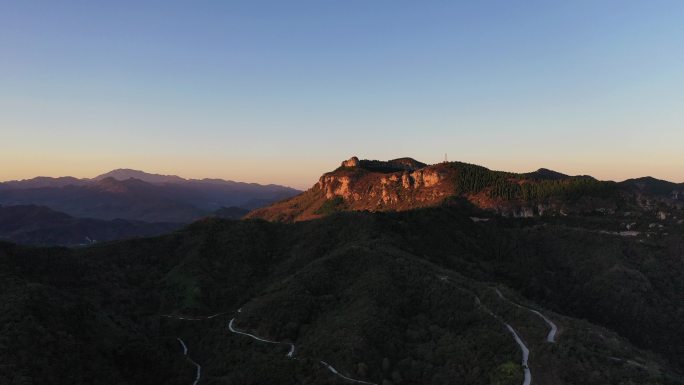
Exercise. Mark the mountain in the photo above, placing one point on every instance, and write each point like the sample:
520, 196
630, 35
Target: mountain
653, 187
546, 174
126, 173
108, 199
39, 225
406, 274
139, 196
43, 181
425, 296
404, 184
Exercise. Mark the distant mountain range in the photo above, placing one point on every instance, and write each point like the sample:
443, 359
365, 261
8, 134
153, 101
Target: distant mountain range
127, 203
127, 173
139, 196
404, 184
39, 225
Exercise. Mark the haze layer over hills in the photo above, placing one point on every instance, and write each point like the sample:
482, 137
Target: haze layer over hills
120, 204
135, 195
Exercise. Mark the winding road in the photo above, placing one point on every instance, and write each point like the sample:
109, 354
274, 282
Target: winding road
631, 362
185, 347
334, 371
184, 318
523, 347
231, 327
198, 373
291, 352
525, 354
551, 337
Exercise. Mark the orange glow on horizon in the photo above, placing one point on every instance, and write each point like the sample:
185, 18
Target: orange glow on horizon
302, 173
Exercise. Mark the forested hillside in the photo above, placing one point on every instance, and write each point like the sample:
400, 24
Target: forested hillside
418, 297
406, 184
473, 179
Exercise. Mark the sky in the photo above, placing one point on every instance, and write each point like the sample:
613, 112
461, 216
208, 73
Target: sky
282, 91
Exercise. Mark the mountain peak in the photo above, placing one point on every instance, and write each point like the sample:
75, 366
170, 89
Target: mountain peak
384, 166
127, 173
409, 163
545, 173
351, 162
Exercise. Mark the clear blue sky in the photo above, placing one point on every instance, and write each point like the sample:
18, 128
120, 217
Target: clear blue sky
280, 91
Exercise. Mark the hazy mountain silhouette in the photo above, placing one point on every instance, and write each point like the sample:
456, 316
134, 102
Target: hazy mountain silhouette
39, 225
136, 195
43, 181
126, 173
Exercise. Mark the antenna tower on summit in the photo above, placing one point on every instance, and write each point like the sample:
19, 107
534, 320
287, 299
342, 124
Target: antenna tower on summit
445, 158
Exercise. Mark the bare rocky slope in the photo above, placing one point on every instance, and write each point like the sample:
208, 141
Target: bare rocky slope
403, 184
356, 185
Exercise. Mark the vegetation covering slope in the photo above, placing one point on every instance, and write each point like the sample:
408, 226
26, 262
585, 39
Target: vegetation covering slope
405, 184
391, 298
532, 187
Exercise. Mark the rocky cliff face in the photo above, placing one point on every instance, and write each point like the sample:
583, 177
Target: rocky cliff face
404, 184
351, 162
387, 189
396, 185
